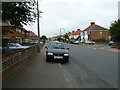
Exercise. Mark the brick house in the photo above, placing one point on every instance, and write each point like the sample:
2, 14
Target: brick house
32, 35
94, 32
18, 35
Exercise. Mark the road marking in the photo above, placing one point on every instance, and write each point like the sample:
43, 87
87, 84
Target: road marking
66, 77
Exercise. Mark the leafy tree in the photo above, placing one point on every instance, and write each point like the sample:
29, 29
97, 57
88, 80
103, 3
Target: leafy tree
59, 39
43, 38
19, 13
115, 31
66, 37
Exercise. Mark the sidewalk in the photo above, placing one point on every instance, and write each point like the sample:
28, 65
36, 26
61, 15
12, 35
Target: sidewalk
110, 49
37, 73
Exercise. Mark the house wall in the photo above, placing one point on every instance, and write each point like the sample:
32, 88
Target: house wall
86, 35
11, 35
18, 35
94, 35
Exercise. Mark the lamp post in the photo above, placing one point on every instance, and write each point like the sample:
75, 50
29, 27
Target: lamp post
101, 36
38, 27
60, 31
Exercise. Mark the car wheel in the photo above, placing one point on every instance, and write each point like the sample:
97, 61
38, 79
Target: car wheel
66, 61
47, 60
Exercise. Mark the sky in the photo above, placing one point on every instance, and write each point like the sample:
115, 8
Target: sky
69, 15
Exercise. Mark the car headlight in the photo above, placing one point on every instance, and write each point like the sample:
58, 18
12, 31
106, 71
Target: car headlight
50, 53
66, 54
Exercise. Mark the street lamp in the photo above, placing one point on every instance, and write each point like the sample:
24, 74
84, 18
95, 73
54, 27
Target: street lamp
60, 31
101, 36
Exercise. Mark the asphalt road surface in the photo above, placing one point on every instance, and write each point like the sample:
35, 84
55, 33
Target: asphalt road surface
91, 68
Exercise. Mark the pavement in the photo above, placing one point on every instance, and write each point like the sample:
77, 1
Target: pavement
110, 49
102, 48
37, 73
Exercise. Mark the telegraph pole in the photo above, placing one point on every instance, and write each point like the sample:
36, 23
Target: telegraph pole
38, 27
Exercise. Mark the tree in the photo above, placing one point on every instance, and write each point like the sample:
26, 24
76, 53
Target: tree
19, 13
115, 31
43, 38
66, 37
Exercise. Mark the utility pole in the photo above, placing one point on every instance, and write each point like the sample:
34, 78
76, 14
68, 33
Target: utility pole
38, 27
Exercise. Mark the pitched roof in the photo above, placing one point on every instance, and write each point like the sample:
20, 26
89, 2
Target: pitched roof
93, 26
71, 33
74, 33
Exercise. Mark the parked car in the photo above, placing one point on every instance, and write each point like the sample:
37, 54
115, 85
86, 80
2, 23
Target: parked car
41, 43
110, 43
89, 42
31, 42
16, 46
76, 42
57, 52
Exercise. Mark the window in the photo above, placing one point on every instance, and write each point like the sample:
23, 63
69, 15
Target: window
23, 32
18, 30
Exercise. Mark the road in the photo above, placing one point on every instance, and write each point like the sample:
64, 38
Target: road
91, 68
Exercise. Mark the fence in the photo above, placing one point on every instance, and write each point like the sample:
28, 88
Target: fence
12, 62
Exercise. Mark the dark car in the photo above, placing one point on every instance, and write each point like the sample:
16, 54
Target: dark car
57, 52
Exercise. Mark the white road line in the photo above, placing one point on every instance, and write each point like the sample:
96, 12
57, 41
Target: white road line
66, 77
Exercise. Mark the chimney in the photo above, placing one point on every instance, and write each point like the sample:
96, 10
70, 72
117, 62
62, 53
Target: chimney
92, 23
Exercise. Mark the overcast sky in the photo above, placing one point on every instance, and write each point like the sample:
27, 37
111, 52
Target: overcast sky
74, 14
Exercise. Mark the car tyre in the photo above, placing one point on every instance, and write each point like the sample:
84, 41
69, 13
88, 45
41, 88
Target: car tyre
66, 61
47, 60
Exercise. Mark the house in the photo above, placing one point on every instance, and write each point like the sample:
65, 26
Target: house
56, 37
74, 34
19, 34
94, 32
32, 35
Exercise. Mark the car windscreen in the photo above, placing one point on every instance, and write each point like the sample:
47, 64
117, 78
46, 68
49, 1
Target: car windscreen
57, 46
